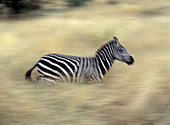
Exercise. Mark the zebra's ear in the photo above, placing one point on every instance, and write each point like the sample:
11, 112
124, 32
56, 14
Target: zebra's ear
115, 39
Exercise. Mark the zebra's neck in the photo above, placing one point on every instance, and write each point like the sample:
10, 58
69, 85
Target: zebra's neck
105, 57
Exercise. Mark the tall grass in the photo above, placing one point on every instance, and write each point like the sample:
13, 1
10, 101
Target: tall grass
133, 95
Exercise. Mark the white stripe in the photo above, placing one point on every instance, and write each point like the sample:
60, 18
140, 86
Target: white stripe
47, 74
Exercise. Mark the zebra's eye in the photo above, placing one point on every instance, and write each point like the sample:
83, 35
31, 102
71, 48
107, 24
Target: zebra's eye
121, 50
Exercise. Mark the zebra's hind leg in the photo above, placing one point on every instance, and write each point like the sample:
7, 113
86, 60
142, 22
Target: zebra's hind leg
46, 80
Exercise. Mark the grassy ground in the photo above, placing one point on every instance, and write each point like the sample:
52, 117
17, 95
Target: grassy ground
129, 95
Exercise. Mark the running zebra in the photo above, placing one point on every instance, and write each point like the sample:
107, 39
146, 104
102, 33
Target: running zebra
54, 68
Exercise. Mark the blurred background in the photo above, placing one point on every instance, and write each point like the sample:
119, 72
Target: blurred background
128, 95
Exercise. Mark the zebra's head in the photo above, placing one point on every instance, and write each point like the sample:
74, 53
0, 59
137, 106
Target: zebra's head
120, 53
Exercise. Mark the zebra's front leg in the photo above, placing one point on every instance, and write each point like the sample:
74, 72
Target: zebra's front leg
92, 79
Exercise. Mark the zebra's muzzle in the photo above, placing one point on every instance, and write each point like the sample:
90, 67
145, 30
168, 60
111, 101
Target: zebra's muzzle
130, 61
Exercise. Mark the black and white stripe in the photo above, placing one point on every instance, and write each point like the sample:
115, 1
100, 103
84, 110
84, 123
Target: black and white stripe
64, 68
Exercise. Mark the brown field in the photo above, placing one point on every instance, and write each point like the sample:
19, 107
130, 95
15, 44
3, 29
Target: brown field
128, 95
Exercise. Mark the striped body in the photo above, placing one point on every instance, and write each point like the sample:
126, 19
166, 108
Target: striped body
54, 68
66, 68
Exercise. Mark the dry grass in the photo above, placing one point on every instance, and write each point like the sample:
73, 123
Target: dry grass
129, 95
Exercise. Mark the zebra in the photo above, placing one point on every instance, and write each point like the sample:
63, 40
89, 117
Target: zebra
53, 68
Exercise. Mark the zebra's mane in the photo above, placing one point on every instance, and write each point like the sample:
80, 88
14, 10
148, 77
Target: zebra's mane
102, 47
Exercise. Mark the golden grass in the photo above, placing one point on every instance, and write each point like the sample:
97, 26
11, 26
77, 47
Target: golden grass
128, 95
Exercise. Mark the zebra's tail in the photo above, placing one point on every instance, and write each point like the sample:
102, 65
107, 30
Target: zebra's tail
28, 73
